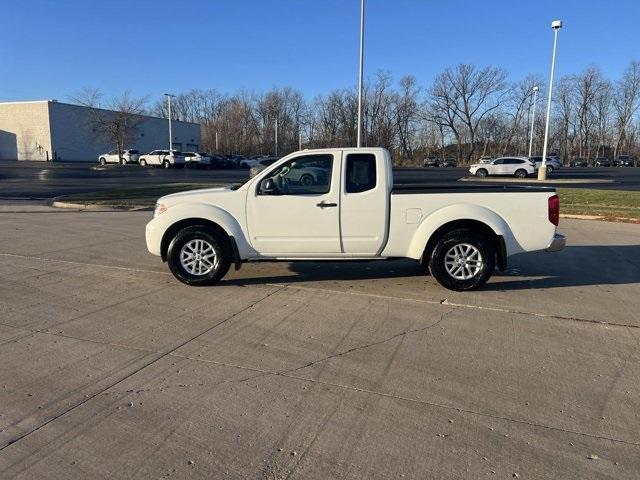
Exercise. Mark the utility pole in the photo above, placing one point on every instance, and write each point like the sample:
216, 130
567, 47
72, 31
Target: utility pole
169, 97
217, 148
360, 74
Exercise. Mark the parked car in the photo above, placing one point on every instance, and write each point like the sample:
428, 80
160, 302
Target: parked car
163, 158
262, 164
431, 162
247, 163
553, 163
197, 159
519, 167
220, 161
128, 156
624, 161
602, 162
353, 211
579, 162
448, 163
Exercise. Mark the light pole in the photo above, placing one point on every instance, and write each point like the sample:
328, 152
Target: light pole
542, 173
276, 135
360, 72
169, 97
533, 117
217, 148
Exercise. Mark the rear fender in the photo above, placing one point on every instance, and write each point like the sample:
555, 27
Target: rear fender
456, 213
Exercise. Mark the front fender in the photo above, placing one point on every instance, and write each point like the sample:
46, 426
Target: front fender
157, 227
458, 212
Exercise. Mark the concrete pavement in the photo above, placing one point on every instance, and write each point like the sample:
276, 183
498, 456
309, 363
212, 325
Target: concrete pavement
111, 369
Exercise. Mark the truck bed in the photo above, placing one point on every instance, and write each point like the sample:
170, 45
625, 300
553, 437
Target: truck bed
457, 187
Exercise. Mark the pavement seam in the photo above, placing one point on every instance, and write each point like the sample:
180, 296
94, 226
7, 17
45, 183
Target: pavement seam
461, 305
155, 358
402, 398
373, 295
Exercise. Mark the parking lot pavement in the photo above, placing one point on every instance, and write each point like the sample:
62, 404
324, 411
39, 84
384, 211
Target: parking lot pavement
111, 369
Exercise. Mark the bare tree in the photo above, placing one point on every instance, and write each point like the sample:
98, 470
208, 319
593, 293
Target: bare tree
116, 120
626, 101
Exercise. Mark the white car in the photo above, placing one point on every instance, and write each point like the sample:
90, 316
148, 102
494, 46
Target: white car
461, 232
519, 167
197, 159
128, 156
553, 163
162, 158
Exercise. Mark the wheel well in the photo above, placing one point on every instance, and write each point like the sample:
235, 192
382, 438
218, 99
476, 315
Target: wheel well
190, 222
473, 225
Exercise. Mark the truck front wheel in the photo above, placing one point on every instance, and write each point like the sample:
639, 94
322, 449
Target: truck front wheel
198, 256
462, 260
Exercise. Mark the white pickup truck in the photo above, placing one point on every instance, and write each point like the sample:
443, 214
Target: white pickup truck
341, 204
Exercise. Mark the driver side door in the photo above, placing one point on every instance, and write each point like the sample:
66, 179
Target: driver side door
299, 217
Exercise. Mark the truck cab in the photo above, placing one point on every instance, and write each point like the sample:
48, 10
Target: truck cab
341, 204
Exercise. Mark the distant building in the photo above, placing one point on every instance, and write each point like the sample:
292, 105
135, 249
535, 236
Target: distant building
51, 130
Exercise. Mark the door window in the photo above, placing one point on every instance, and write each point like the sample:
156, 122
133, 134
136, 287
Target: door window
361, 172
310, 174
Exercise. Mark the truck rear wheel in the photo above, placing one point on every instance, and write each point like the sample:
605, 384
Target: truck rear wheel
198, 256
462, 260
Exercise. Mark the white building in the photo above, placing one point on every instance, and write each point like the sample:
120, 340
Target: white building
48, 129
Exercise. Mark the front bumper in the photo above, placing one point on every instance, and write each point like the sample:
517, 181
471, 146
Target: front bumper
558, 243
153, 238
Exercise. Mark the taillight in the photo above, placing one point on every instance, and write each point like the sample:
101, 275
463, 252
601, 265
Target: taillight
554, 209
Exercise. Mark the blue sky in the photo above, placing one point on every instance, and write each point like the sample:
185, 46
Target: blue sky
51, 49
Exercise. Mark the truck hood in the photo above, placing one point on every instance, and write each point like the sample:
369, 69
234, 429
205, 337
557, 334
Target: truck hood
210, 195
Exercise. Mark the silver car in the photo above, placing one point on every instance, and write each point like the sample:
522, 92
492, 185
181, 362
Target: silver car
128, 156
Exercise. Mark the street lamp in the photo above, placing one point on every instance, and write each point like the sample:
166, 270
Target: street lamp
169, 97
360, 72
542, 173
533, 117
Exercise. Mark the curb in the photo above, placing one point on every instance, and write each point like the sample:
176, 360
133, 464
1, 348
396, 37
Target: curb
99, 207
601, 218
568, 181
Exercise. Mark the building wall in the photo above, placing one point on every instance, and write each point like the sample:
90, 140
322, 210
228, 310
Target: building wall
74, 139
50, 129
24, 131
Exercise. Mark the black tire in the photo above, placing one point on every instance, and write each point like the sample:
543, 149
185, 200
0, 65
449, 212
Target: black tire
143, 163
307, 180
438, 258
198, 232
166, 164
123, 162
482, 172
549, 169
103, 162
521, 173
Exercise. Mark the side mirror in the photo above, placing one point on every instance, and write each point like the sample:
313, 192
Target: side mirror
268, 187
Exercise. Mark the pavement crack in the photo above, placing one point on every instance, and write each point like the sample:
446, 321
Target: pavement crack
155, 357
373, 344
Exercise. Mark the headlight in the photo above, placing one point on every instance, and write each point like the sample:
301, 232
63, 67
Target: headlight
160, 208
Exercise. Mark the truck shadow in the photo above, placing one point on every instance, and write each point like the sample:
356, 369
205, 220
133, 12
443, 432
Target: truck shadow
575, 266
572, 267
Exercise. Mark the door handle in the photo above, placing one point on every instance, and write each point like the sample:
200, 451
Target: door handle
324, 204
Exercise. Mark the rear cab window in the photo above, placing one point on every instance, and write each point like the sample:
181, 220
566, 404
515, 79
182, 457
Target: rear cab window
360, 173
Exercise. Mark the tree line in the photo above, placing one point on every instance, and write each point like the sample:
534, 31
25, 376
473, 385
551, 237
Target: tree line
466, 112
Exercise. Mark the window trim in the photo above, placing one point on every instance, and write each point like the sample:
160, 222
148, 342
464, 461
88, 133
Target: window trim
274, 167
